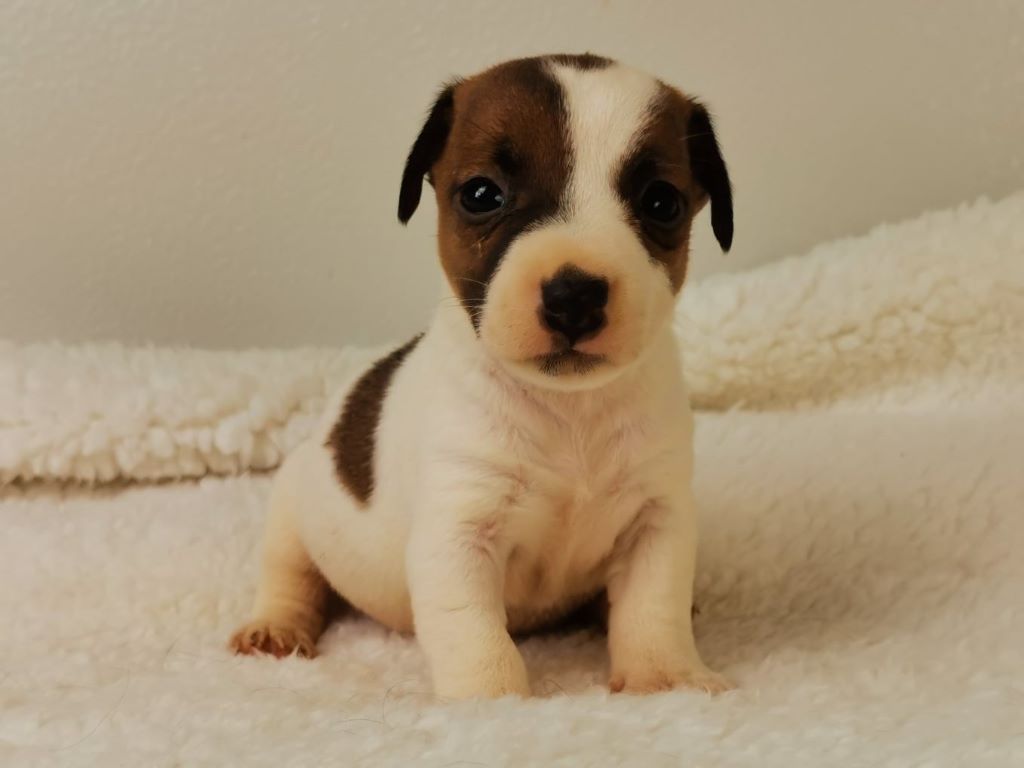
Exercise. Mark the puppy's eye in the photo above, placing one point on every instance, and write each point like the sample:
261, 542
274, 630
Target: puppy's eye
660, 203
480, 196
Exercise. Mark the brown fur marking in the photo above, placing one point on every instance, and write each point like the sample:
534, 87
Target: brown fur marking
353, 438
663, 154
509, 125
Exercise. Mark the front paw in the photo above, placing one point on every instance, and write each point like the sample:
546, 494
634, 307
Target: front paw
655, 679
260, 636
503, 677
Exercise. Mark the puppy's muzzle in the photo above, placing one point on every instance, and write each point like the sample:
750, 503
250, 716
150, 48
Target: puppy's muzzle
572, 305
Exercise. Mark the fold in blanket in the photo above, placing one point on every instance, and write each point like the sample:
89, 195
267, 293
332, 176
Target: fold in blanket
930, 311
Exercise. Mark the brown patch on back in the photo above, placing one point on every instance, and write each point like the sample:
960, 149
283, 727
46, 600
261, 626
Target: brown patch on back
354, 436
663, 154
510, 125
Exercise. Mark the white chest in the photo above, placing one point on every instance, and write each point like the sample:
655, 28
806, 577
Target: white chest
568, 474
583, 487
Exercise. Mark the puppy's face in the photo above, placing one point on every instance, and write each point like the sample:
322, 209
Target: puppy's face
566, 188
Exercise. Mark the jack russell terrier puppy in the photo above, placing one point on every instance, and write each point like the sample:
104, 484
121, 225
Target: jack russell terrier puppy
533, 449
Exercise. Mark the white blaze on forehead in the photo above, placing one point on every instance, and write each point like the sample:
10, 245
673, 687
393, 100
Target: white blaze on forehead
608, 109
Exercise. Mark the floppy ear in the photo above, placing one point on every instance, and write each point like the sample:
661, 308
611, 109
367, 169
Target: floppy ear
708, 169
425, 152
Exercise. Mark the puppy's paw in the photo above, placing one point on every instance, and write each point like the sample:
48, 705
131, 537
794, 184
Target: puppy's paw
262, 636
485, 687
697, 677
506, 677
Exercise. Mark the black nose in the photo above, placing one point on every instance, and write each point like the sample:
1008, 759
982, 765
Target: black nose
574, 303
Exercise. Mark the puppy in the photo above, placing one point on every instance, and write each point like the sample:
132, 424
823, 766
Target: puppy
534, 447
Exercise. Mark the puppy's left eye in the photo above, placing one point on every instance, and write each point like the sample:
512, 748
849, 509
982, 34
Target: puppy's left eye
661, 204
480, 196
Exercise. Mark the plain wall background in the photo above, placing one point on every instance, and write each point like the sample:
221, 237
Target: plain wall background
226, 173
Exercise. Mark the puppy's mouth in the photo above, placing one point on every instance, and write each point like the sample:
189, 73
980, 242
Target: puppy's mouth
568, 361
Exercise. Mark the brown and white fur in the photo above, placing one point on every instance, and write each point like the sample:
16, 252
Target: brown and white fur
494, 474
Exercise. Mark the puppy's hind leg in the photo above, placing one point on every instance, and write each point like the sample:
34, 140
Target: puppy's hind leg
288, 615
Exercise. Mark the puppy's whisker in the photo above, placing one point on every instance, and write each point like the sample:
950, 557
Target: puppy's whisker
461, 304
460, 298
471, 280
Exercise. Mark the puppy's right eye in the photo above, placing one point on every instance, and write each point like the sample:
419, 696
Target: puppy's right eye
660, 204
480, 196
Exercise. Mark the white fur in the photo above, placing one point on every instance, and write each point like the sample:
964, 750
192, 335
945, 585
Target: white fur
510, 502
607, 110
503, 496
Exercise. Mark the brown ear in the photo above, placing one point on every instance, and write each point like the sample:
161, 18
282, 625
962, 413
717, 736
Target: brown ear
708, 169
425, 152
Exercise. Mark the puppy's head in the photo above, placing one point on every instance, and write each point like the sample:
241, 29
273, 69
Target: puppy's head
566, 188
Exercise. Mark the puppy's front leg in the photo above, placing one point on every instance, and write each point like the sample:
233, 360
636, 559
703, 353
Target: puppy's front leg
456, 569
650, 594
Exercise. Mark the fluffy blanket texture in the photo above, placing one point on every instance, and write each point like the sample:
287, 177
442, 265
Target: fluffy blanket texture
920, 313
860, 567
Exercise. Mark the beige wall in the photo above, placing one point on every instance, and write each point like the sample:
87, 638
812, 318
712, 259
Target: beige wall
224, 172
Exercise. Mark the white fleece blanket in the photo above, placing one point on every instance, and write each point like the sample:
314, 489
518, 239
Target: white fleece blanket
860, 568
924, 312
